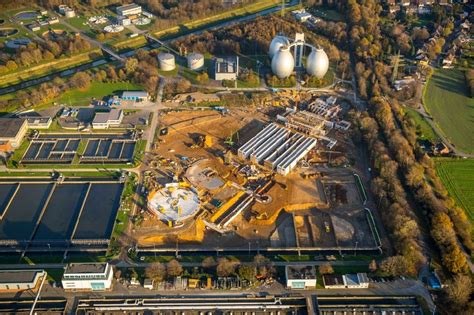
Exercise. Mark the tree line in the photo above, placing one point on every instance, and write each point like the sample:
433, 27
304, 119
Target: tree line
260, 268
391, 138
36, 52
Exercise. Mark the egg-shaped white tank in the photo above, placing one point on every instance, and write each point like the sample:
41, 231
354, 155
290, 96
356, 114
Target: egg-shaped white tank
317, 63
166, 61
276, 43
283, 63
195, 61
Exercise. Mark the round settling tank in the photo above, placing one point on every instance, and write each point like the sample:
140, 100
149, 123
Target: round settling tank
70, 13
166, 61
173, 203
195, 61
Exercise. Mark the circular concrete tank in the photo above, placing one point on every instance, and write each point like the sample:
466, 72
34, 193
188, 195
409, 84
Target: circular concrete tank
283, 63
317, 63
167, 62
174, 203
195, 61
70, 13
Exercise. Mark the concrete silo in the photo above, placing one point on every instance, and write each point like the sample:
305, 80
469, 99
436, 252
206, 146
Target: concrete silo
166, 61
195, 61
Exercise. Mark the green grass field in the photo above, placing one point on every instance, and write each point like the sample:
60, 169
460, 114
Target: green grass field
423, 129
446, 98
458, 178
97, 90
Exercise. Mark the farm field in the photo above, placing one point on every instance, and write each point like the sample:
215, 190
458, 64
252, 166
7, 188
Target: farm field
423, 129
458, 177
446, 98
97, 90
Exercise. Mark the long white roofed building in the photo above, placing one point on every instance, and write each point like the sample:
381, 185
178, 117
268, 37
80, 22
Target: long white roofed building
277, 148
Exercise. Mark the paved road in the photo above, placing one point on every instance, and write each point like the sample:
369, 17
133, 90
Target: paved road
126, 264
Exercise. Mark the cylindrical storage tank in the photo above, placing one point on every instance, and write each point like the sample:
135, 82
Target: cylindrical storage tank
277, 42
317, 63
166, 61
70, 13
195, 61
283, 63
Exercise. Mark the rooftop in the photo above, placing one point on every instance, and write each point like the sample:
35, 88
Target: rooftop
351, 279
75, 268
135, 93
38, 120
113, 114
9, 127
226, 65
301, 272
18, 276
128, 7
333, 280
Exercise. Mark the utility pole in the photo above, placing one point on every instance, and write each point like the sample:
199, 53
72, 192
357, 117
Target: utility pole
282, 8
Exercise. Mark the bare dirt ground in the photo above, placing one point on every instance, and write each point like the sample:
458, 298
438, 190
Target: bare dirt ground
308, 208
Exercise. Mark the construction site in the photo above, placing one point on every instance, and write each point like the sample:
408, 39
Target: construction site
255, 179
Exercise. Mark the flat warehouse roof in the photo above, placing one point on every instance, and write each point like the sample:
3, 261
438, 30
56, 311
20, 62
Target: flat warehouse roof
135, 94
9, 127
85, 268
128, 7
113, 114
18, 276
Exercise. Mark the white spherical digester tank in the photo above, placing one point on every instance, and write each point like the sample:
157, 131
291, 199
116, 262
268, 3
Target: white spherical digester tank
167, 62
276, 43
317, 63
283, 63
195, 61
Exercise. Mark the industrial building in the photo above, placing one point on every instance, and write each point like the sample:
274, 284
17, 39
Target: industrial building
124, 21
40, 122
129, 9
66, 11
347, 281
226, 68
12, 131
284, 62
87, 277
278, 148
19, 280
106, 120
137, 96
301, 15
300, 277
